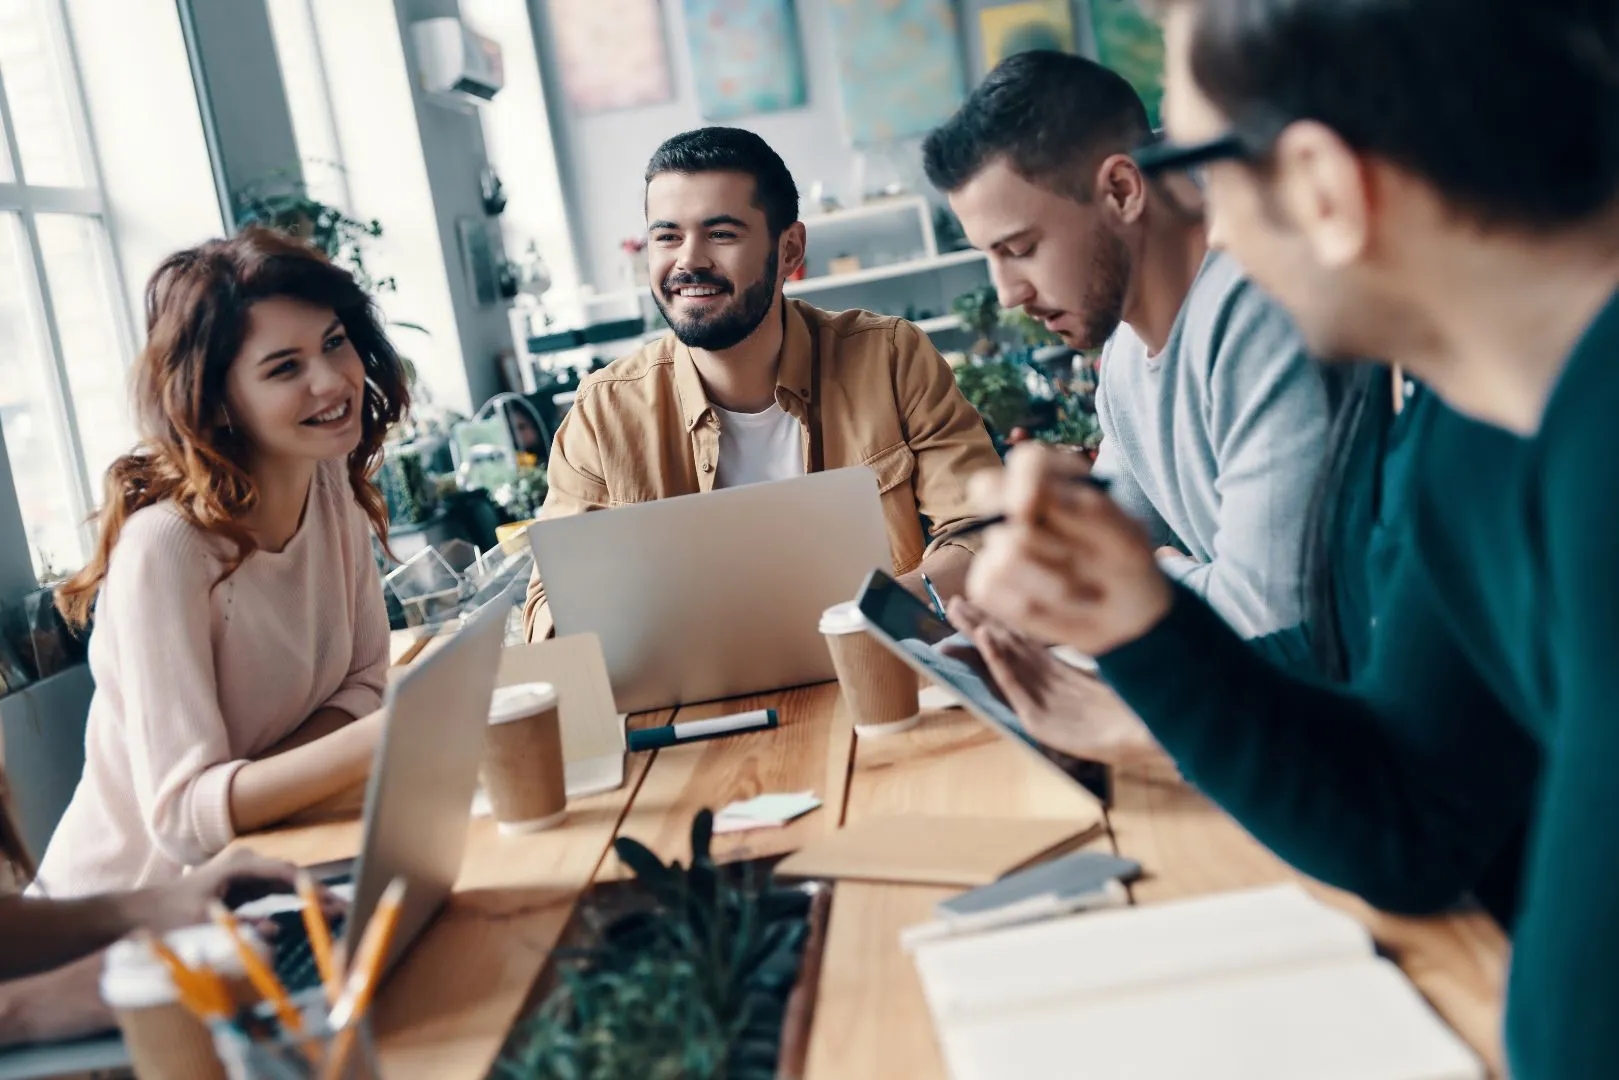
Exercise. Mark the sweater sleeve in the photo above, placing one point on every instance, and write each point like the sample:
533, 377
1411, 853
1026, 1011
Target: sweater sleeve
1401, 789
1268, 418
1563, 989
361, 690
155, 603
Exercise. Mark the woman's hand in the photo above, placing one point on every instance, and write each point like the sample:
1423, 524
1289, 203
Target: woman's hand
1069, 565
185, 902
1063, 708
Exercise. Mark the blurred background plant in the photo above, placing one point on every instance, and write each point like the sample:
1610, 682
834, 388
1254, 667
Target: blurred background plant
1023, 379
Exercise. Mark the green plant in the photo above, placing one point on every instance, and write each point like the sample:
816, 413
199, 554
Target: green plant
286, 204
694, 986
999, 390
1030, 332
979, 312
1074, 426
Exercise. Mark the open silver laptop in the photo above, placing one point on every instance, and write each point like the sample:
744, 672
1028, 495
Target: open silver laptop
425, 772
416, 814
714, 595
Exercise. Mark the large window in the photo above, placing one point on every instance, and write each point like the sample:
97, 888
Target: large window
65, 339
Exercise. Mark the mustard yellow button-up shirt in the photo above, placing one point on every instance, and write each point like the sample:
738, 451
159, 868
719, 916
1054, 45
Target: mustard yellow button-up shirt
643, 429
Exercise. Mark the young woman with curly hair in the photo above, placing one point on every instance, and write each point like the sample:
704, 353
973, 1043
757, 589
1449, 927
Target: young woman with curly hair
241, 641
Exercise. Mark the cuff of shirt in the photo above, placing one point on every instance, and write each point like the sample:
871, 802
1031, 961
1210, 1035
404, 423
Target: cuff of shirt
1178, 567
210, 808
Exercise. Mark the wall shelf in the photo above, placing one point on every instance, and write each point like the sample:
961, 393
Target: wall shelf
909, 268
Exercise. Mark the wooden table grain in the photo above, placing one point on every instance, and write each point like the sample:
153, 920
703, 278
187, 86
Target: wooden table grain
446, 1012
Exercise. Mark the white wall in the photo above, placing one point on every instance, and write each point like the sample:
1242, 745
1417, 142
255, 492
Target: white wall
143, 109
375, 116
453, 151
603, 157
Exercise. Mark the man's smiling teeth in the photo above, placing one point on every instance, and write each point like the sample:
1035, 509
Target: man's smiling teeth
698, 290
330, 414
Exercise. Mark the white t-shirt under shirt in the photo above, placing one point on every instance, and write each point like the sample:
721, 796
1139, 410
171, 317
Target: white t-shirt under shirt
759, 447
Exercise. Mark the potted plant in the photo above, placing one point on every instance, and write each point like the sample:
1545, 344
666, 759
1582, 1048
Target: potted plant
979, 312
688, 973
287, 205
999, 390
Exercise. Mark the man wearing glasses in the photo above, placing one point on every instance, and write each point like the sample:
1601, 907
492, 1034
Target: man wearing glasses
1437, 183
1213, 419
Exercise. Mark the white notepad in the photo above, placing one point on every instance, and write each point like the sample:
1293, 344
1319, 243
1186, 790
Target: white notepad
1267, 984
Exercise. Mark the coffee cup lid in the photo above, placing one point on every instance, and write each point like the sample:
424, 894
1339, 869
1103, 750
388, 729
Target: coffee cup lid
511, 703
845, 618
134, 978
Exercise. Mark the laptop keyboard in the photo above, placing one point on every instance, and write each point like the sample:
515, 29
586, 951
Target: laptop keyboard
294, 957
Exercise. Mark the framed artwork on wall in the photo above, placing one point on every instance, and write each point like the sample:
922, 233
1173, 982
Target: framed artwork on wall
1032, 24
900, 71
1131, 44
745, 56
612, 54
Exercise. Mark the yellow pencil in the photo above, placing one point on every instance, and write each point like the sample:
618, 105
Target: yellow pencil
258, 972
364, 973
201, 991
320, 937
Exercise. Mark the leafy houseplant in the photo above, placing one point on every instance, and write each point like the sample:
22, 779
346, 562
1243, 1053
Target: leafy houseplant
290, 208
979, 312
999, 390
693, 985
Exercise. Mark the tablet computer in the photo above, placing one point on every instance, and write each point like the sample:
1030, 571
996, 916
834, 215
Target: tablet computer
911, 631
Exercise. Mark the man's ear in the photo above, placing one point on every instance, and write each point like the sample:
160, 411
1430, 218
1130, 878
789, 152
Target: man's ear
1120, 188
794, 243
1325, 188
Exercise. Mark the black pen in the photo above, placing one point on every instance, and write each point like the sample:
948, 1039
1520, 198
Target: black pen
1100, 483
693, 730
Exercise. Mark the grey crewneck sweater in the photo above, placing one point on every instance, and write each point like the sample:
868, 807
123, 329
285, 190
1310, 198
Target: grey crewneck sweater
1216, 443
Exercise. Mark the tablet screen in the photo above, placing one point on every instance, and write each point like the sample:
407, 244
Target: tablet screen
905, 623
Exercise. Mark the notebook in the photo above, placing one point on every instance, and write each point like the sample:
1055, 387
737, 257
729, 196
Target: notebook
1266, 984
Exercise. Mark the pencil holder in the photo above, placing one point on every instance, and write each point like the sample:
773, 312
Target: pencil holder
260, 1049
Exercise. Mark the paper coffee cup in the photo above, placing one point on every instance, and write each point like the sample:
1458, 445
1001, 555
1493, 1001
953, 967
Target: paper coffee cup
522, 759
877, 686
162, 1036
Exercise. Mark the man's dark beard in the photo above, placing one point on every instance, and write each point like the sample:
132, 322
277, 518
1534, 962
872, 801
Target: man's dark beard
729, 328
1104, 300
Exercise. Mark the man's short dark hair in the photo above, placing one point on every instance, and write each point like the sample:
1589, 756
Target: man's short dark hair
1510, 109
1051, 115
728, 149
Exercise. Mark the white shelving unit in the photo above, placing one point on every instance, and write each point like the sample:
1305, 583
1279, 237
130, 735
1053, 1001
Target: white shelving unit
909, 268
939, 324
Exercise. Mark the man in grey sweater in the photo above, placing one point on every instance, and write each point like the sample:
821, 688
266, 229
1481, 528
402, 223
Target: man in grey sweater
1213, 418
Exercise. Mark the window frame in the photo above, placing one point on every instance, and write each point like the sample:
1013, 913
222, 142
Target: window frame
89, 201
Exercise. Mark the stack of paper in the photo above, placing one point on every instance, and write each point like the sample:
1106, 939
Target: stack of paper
1268, 984
765, 811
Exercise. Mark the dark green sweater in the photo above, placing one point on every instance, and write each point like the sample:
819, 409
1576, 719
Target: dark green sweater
1367, 532
1405, 786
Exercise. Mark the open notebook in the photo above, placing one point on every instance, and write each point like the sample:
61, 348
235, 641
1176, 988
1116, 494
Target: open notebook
1267, 984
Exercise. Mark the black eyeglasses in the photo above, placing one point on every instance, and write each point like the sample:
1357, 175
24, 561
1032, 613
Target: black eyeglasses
1161, 157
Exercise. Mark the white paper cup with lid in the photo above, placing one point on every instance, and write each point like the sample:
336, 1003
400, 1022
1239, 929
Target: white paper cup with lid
522, 766
878, 687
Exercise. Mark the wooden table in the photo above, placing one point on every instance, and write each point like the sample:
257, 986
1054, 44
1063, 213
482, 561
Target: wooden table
445, 1013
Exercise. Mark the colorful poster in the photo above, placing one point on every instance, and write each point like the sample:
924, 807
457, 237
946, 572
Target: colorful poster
745, 56
611, 53
899, 67
1131, 44
1024, 27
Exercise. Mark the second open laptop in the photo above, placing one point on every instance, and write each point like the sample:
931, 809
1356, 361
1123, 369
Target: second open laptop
422, 782
715, 595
